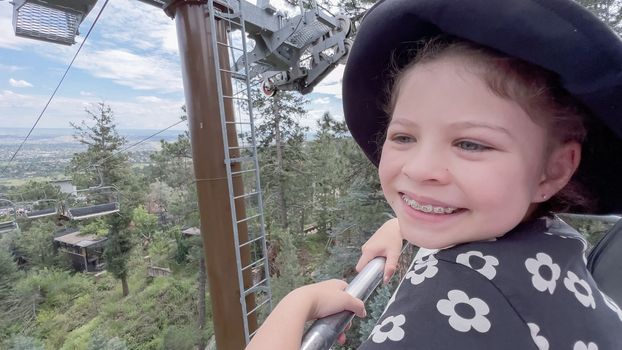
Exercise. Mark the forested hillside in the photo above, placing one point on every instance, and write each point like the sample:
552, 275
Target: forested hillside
145, 285
322, 200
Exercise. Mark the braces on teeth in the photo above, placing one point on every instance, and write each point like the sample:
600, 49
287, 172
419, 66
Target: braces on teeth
428, 208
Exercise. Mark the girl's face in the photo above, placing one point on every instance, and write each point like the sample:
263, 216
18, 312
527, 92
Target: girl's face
459, 163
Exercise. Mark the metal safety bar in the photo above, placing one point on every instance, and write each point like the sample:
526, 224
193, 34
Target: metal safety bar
324, 332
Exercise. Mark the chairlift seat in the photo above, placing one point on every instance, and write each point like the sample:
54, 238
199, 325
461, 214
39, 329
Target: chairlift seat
8, 226
81, 213
8, 209
42, 208
34, 214
605, 262
55, 21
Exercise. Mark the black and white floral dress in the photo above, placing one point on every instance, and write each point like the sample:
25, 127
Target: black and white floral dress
529, 289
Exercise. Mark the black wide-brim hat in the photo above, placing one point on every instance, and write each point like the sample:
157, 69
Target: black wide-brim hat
558, 35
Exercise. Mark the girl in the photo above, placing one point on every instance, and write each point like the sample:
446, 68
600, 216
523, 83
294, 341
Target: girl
492, 107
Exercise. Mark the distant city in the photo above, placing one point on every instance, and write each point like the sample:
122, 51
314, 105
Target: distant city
48, 151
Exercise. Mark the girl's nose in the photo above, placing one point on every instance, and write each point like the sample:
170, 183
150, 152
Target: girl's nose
426, 166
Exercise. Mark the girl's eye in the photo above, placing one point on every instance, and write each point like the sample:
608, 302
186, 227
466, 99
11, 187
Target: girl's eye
471, 146
402, 138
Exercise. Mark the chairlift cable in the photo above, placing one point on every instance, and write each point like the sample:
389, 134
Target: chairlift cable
59, 84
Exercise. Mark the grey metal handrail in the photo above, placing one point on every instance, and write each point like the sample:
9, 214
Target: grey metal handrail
324, 332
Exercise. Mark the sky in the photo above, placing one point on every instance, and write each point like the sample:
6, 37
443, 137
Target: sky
130, 61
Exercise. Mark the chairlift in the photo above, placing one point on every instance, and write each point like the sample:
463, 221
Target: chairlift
92, 202
22, 206
8, 216
42, 208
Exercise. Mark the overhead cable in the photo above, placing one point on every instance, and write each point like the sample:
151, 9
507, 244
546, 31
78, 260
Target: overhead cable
98, 163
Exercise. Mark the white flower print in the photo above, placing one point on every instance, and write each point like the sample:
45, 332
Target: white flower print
396, 333
540, 340
545, 272
583, 293
489, 263
457, 302
425, 259
612, 305
579, 345
422, 270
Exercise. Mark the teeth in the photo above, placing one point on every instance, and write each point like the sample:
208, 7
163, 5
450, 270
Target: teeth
427, 208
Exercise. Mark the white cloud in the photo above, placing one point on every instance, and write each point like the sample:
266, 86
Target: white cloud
9, 98
8, 40
321, 101
137, 25
148, 99
331, 85
10, 68
311, 118
19, 83
133, 45
133, 70
18, 110
155, 115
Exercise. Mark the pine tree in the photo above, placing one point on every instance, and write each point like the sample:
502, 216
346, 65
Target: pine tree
117, 250
289, 275
326, 163
104, 146
174, 190
9, 274
375, 307
280, 140
103, 143
36, 244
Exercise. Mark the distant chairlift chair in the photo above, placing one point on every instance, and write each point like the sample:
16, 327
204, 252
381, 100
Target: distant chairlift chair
92, 202
8, 216
43, 208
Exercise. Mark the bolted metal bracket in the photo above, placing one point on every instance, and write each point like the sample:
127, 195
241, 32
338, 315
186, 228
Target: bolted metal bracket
290, 53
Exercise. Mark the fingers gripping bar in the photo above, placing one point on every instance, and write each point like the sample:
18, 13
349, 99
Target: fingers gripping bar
324, 332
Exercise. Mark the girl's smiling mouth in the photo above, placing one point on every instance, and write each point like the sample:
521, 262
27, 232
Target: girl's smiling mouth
429, 208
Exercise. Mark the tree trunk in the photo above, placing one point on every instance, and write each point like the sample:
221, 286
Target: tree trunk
302, 220
201, 306
126, 289
279, 162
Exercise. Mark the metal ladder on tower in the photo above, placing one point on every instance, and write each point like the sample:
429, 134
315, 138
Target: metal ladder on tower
241, 162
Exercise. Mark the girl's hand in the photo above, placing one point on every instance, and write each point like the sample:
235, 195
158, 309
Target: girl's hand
283, 329
387, 242
327, 298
